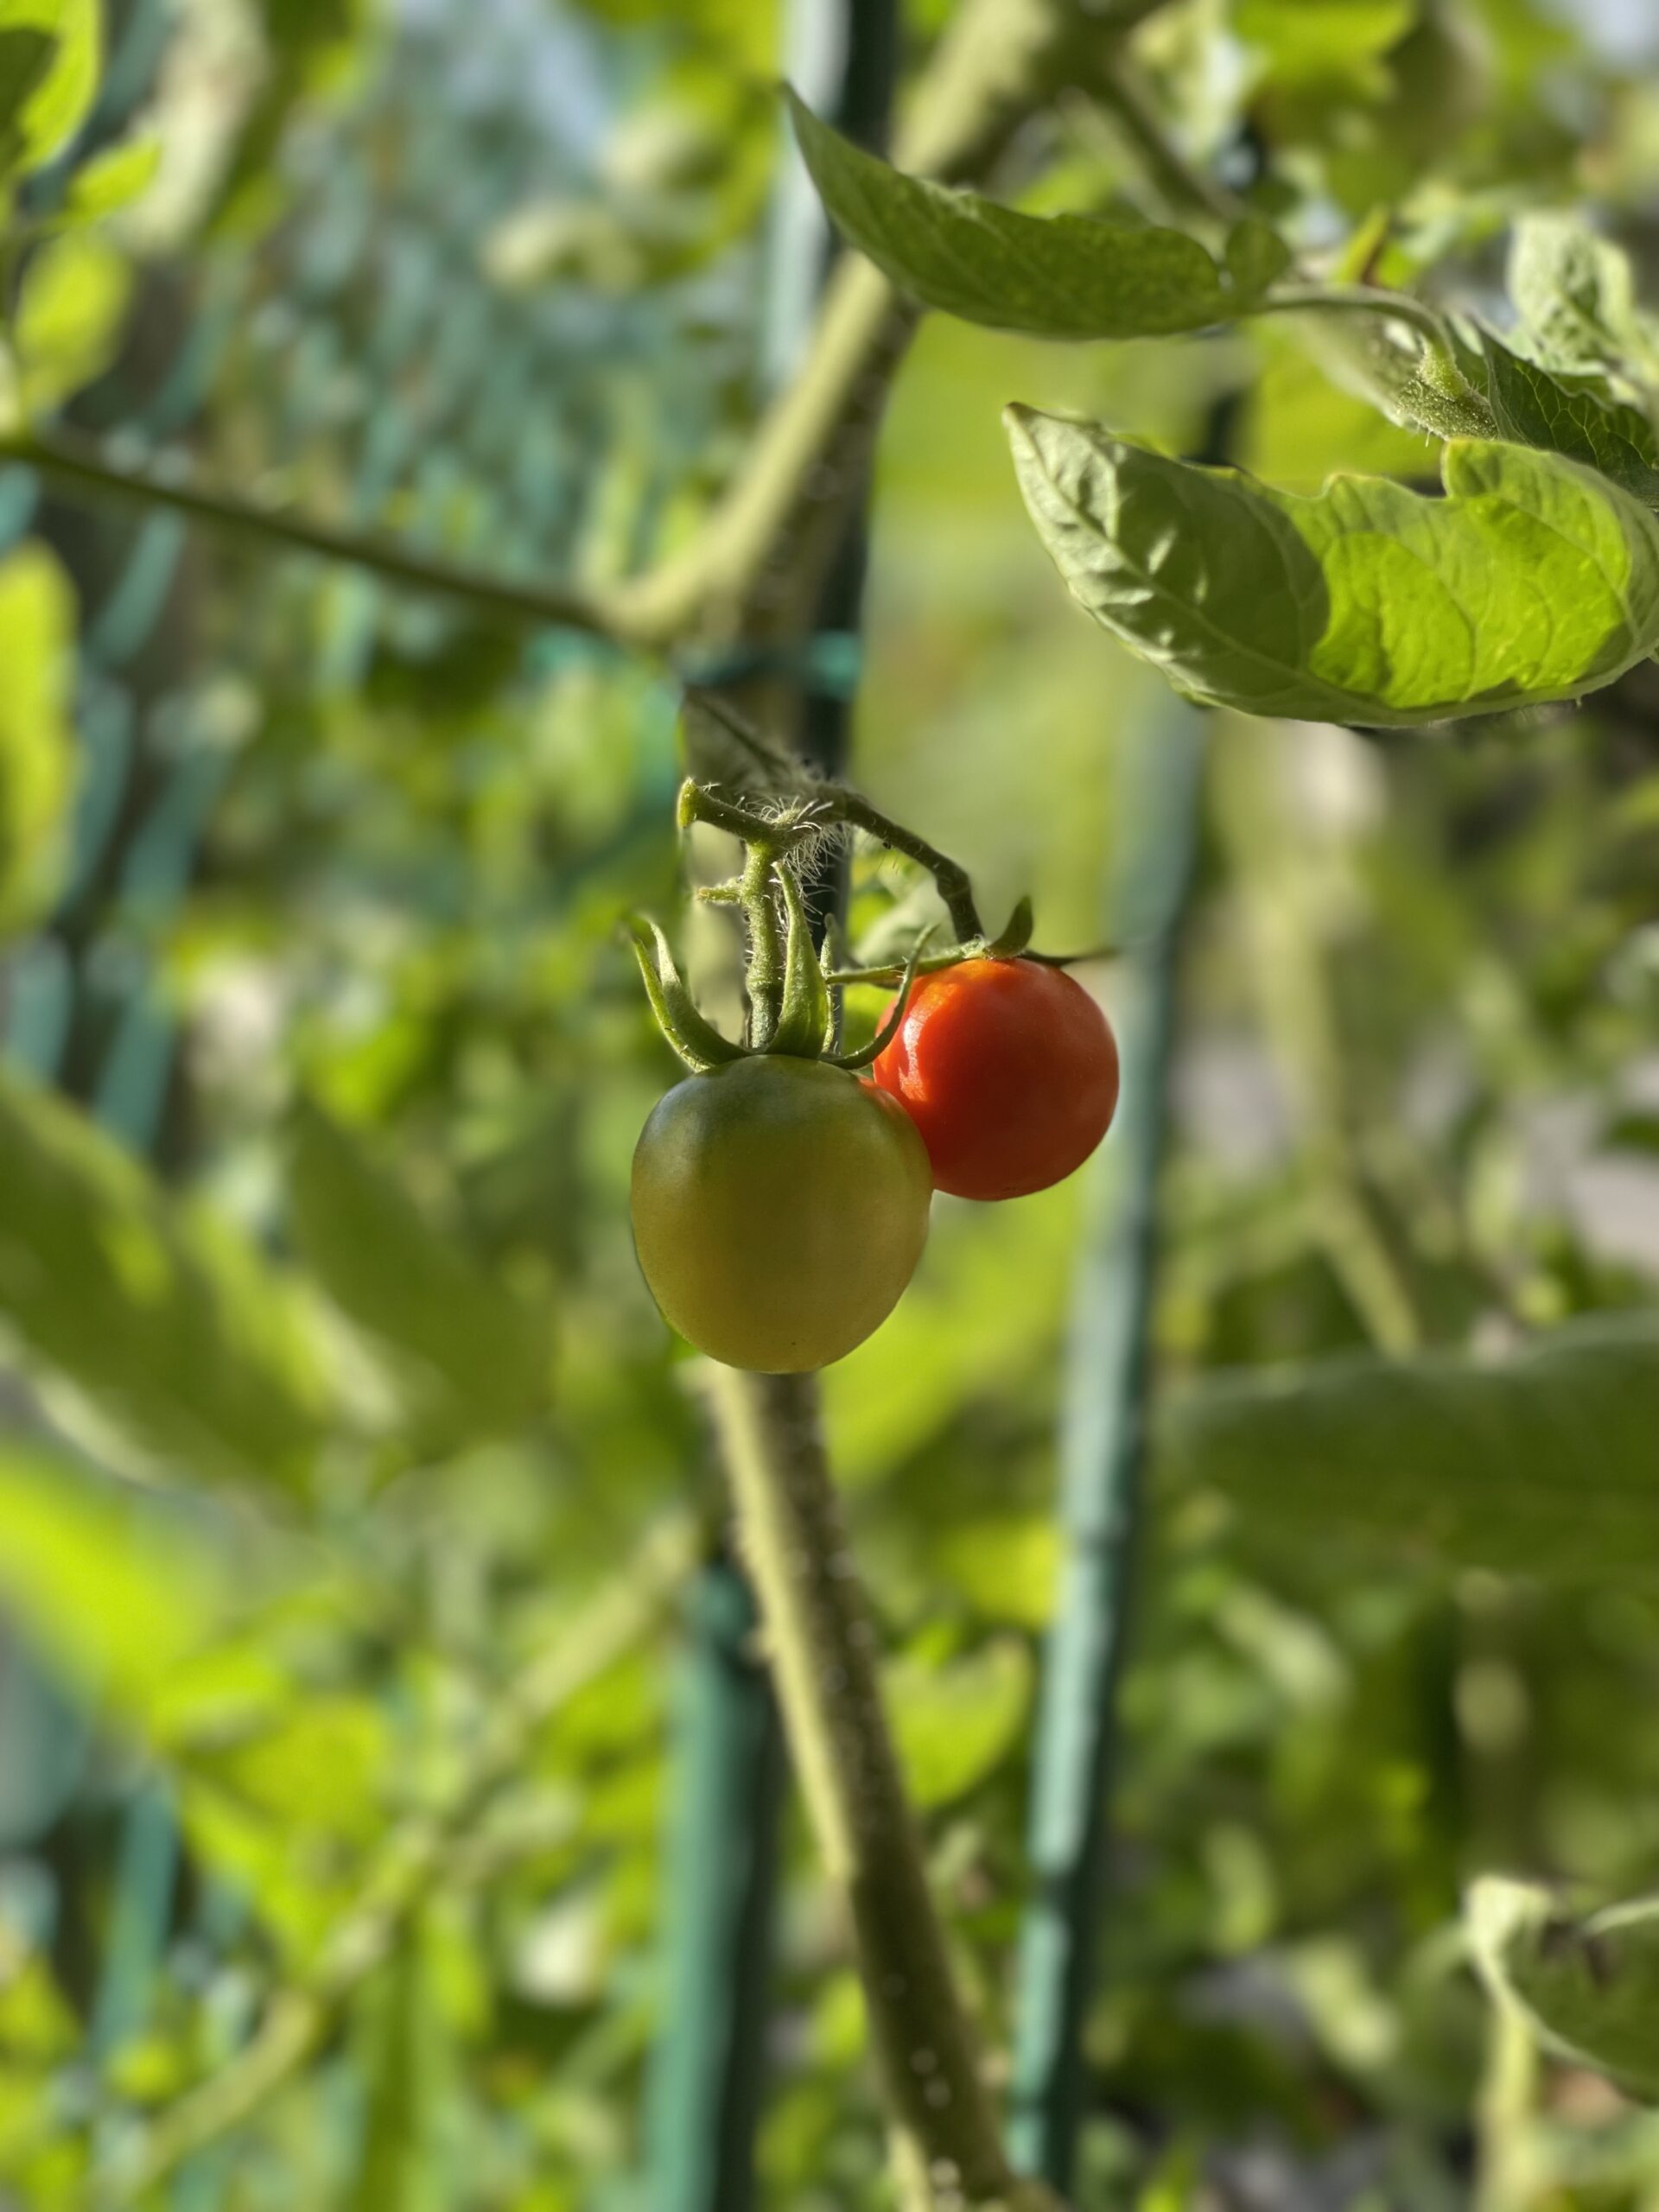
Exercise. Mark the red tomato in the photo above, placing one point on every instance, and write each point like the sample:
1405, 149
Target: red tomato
1009, 1070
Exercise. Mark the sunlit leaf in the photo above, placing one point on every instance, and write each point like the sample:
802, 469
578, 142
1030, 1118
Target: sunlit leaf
70, 316
114, 1586
37, 759
1007, 1565
113, 179
1589, 1986
1055, 275
955, 1722
26, 58
38, 2024
1574, 291
49, 58
956, 1338
193, 1353
1532, 579
1574, 416
470, 1352
290, 1807
1301, 42
1538, 1463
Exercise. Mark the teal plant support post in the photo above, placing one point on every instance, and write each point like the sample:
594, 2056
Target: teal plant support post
707, 2069
1100, 1463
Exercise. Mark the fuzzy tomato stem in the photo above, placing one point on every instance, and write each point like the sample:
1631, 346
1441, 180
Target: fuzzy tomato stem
823, 1652
765, 971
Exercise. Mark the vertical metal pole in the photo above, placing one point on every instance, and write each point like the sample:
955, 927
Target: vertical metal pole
1160, 804
708, 2070
1101, 1451
708, 2065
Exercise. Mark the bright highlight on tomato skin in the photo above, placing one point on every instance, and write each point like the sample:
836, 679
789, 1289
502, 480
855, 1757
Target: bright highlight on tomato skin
1009, 1070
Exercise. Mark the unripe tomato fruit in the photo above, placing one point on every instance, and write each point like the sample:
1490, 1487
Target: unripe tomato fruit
1009, 1070
779, 1208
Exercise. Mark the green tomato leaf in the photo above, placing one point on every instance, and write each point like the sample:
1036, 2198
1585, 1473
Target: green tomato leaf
190, 1350
1532, 579
1541, 1464
114, 1585
956, 1340
71, 312
37, 754
1306, 43
804, 1022
50, 55
954, 1723
1255, 255
696, 1040
1007, 1565
26, 59
474, 1359
113, 179
1589, 1987
1575, 416
1573, 291
1054, 276
287, 1801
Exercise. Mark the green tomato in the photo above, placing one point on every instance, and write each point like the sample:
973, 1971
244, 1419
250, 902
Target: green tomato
779, 1208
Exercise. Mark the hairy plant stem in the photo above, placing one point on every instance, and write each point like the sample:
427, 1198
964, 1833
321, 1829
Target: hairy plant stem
766, 969
822, 1653
71, 462
949, 876
1363, 299
823, 802
757, 569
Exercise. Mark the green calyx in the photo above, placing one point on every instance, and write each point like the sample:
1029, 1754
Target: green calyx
793, 988
799, 1021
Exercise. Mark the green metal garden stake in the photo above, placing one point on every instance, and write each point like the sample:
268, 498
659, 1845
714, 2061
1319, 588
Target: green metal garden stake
705, 2086
1101, 1452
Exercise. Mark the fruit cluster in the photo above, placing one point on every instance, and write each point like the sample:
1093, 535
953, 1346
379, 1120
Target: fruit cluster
780, 1199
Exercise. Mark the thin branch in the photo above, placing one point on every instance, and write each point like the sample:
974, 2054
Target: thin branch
429, 1852
829, 802
955, 887
74, 464
1184, 189
756, 568
1357, 299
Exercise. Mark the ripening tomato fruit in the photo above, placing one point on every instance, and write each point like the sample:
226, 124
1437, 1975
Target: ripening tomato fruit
779, 1208
1009, 1070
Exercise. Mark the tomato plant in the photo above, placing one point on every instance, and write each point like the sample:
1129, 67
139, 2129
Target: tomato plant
1009, 1069
779, 1208
316, 1105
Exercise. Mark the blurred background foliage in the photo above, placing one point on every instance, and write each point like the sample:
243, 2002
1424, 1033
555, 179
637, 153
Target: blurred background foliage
349, 1478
